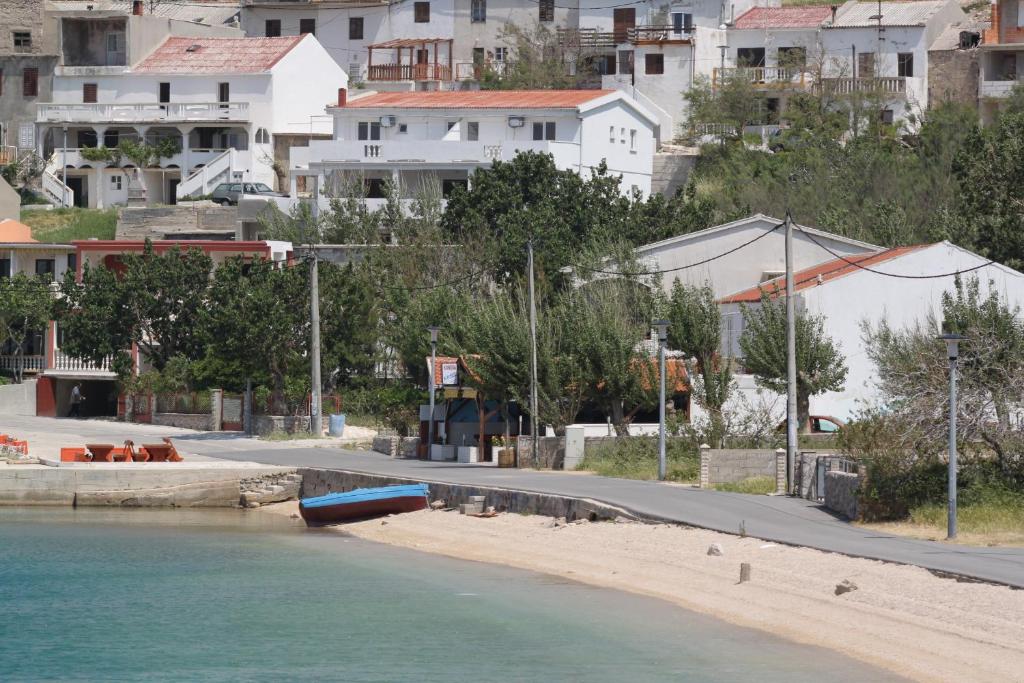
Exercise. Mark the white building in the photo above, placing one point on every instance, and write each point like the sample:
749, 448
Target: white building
222, 101
839, 50
846, 296
408, 137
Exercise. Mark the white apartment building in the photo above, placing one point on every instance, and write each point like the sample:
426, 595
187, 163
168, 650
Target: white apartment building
220, 99
840, 50
410, 137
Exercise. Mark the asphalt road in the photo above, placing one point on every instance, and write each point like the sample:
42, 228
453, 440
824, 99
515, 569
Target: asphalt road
773, 518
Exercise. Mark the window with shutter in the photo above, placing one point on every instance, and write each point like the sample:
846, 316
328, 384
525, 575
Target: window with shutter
355, 28
89, 93
30, 82
421, 12
547, 10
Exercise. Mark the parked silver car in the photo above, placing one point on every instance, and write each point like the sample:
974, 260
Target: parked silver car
227, 194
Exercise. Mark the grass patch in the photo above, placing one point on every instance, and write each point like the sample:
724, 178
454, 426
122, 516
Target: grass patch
67, 225
289, 436
755, 485
637, 458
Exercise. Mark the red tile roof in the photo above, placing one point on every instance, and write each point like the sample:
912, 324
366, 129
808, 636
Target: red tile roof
784, 17
217, 55
819, 274
12, 231
481, 99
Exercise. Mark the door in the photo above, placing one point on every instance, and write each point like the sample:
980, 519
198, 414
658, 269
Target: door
77, 185
172, 190
223, 94
866, 65
623, 19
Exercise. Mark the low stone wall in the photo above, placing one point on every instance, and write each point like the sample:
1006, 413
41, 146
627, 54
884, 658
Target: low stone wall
730, 466
842, 491
550, 452
268, 424
396, 446
317, 482
201, 422
270, 487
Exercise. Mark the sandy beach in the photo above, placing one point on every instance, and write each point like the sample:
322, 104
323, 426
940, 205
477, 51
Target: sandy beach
901, 618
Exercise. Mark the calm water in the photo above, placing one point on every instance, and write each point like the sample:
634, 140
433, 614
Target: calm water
100, 595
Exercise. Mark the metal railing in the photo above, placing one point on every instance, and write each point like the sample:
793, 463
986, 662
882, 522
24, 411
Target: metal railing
143, 112
657, 33
892, 85
767, 76
589, 37
409, 72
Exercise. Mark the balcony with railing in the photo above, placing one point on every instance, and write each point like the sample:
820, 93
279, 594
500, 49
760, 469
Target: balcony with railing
885, 85
65, 363
440, 153
75, 158
26, 363
409, 72
763, 77
150, 112
592, 38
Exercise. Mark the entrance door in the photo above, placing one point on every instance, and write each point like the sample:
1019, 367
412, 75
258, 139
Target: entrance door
172, 190
78, 185
623, 19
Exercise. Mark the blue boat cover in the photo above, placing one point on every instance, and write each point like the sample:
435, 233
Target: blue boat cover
363, 495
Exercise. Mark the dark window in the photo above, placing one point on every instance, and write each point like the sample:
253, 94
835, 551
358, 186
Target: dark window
547, 10
478, 10
72, 262
421, 12
886, 116
605, 65
111, 138
750, 56
472, 131
89, 93
87, 138
45, 267
544, 131
369, 130
654, 64
682, 22
1, 82
22, 41
5, 267
165, 92
448, 186
223, 94
793, 57
375, 188
30, 82
307, 26
479, 56
625, 62
355, 28
272, 28
905, 65
865, 65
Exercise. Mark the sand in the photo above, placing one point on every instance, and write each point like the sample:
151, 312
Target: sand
901, 618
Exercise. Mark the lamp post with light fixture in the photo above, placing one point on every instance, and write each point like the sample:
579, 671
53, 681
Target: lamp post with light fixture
433, 329
662, 327
953, 351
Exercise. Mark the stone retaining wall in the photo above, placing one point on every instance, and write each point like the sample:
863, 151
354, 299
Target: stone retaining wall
396, 446
842, 491
202, 422
317, 482
730, 466
268, 424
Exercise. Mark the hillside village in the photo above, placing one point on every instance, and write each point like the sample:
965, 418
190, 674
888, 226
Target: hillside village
542, 181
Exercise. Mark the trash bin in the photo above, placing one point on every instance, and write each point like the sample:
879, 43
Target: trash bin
337, 425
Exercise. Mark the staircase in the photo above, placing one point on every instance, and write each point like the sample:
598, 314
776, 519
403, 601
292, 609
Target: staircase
206, 178
56, 191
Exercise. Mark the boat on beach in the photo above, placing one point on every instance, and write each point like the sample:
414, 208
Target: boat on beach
334, 508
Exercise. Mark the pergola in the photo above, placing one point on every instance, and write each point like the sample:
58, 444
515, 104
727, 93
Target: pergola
419, 67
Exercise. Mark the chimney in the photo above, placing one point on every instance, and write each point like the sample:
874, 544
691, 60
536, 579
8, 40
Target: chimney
834, 9
342, 96
137, 8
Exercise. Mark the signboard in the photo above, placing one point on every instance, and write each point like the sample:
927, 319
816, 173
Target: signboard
449, 374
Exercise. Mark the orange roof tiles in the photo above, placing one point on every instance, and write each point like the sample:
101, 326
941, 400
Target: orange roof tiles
15, 232
481, 99
217, 55
784, 17
819, 274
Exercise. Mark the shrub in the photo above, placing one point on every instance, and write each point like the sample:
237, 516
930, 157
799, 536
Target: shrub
636, 457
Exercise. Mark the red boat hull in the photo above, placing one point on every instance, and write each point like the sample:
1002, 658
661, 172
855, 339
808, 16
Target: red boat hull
347, 512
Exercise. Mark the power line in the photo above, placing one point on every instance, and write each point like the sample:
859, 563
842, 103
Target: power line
690, 265
902, 276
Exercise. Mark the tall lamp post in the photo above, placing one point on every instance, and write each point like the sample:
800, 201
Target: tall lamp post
953, 351
64, 169
433, 329
662, 327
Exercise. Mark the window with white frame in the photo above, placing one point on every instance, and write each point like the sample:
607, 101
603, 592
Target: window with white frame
115, 182
501, 54
478, 11
544, 130
262, 137
473, 131
368, 130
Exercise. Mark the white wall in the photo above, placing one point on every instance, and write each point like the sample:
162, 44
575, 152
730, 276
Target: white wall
303, 83
864, 296
617, 134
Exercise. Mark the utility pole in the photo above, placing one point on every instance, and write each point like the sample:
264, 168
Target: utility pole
64, 170
434, 329
533, 358
662, 327
315, 418
953, 351
791, 417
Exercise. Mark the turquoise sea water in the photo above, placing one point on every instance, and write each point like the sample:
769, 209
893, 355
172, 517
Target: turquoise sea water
100, 595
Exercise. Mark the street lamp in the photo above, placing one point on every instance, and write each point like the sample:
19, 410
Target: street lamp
433, 329
662, 327
64, 170
953, 351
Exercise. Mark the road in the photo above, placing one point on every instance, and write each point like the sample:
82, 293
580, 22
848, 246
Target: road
773, 518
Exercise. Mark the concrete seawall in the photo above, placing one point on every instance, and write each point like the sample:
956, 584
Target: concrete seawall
317, 482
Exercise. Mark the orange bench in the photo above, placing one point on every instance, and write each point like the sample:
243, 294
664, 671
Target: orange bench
74, 454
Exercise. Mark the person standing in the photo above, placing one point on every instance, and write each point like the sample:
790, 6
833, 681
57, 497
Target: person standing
76, 400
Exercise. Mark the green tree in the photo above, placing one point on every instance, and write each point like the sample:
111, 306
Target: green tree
990, 171
696, 330
539, 61
732, 103
25, 307
820, 366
